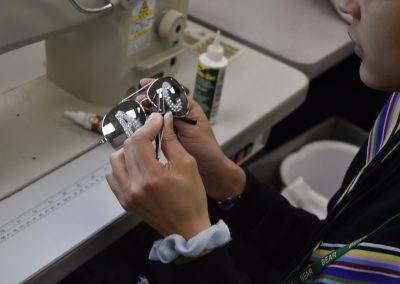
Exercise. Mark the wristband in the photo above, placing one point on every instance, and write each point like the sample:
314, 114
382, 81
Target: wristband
172, 246
229, 202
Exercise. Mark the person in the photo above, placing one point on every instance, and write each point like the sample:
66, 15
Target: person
357, 242
337, 5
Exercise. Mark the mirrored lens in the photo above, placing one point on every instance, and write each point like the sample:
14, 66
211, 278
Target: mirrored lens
122, 121
167, 94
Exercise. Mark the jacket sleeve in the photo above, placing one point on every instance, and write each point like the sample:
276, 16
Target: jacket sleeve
213, 268
267, 221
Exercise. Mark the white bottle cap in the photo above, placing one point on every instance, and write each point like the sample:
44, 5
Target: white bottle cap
79, 117
215, 51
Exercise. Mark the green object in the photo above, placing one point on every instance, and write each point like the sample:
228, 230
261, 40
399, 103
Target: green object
210, 79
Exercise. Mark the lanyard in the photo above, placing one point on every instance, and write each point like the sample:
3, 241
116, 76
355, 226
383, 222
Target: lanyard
385, 126
316, 267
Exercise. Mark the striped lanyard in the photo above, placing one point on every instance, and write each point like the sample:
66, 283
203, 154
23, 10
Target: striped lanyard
383, 128
312, 270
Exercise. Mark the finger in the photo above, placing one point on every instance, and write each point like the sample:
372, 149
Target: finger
132, 167
139, 147
195, 109
202, 126
142, 98
118, 166
112, 182
145, 81
195, 112
144, 101
172, 148
115, 187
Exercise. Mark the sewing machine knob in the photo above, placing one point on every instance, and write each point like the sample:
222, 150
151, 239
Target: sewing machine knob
172, 27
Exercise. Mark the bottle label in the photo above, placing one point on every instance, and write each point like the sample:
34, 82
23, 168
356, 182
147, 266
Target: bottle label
208, 89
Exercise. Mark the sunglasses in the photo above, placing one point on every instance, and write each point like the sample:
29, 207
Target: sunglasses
161, 95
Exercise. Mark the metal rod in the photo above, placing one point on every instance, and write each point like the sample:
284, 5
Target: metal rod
84, 10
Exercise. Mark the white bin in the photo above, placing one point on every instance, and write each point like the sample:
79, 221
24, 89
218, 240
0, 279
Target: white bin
321, 164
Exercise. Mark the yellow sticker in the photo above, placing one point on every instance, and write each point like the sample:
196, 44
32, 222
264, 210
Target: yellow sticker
141, 26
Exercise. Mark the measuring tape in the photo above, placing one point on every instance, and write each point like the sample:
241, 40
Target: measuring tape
54, 202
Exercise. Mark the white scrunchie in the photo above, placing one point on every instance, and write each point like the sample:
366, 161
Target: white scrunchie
169, 248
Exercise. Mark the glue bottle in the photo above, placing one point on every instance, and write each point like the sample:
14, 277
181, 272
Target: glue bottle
87, 120
210, 78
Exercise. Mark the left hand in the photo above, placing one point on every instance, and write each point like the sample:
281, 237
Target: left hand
221, 177
171, 198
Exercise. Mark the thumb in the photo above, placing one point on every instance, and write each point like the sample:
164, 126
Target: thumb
172, 148
151, 127
141, 149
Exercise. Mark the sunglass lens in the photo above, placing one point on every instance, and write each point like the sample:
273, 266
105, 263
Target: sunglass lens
122, 121
167, 94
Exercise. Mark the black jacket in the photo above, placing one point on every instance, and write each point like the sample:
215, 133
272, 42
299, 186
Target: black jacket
285, 235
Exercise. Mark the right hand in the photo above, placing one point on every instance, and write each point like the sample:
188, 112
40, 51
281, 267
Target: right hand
171, 197
222, 178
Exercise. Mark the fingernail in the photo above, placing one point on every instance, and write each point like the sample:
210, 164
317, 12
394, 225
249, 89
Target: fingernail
140, 98
141, 82
153, 116
168, 114
145, 81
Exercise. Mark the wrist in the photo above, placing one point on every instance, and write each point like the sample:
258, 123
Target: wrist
227, 181
228, 203
193, 229
174, 246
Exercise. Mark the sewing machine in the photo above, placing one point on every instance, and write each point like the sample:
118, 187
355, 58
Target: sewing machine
94, 57
56, 209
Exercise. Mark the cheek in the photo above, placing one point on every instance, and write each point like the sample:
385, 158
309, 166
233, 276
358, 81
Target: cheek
380, 68
381, 75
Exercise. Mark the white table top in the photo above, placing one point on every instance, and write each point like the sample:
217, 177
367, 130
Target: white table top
53, 224
307, 34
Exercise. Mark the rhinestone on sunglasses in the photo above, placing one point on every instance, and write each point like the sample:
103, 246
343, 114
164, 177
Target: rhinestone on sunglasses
122, 121
168, 94
164, 94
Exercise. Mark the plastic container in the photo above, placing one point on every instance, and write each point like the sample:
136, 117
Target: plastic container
321, 164
210, 79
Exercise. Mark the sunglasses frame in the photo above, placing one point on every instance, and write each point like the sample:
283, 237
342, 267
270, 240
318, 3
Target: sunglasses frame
154, 108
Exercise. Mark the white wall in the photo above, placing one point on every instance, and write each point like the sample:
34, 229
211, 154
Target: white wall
21, 65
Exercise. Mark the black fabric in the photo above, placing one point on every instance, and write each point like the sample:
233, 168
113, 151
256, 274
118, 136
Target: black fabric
279, 234
274, 221
280, 231
264, 218
199, 269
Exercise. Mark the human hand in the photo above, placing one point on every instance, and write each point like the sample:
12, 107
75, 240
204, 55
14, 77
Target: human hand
171, 197
338, 4
222, 178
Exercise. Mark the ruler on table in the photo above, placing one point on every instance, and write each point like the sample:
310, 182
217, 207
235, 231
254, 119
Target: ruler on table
51, 204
